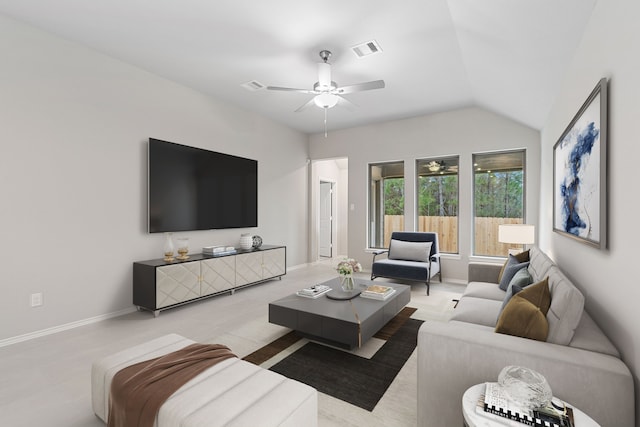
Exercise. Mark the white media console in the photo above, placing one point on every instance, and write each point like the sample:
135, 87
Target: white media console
160, 285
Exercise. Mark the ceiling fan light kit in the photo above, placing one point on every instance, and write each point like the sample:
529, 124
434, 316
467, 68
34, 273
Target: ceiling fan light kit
326, 100
327, 92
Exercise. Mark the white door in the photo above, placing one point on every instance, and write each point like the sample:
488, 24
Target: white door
325, 242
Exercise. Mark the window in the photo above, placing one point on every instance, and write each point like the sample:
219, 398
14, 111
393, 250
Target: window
386, 202
498, 199
437, 200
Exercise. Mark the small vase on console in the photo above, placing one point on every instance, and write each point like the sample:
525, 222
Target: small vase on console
183, 248
246, 241
168, 248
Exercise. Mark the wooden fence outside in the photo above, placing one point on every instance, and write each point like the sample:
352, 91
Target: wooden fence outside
486, 231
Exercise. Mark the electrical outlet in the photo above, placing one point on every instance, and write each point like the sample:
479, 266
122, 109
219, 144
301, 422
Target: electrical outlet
36, 300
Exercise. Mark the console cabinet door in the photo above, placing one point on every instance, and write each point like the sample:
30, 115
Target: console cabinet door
177, 283
274, 263
218, 275
248, 268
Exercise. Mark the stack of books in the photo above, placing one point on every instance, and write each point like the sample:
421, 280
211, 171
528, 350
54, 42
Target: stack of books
218, 250
378, 292
314, 291
495, 404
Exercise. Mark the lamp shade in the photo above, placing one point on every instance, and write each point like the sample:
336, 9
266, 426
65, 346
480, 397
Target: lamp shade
524, 234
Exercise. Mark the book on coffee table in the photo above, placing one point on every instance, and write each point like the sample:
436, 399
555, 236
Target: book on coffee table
378, 292
313, 291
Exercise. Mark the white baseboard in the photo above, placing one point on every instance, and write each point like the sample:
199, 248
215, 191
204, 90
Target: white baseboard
66, 326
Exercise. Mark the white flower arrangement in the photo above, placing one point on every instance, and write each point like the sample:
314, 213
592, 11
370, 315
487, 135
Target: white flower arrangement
348, 266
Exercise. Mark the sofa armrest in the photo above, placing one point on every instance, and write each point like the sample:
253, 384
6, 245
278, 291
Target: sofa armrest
484, 272
454, 356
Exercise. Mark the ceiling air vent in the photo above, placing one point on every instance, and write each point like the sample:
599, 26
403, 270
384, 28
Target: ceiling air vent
253, 85
366, 49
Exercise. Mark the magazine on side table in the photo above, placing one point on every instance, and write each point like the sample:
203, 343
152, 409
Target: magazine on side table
495, 404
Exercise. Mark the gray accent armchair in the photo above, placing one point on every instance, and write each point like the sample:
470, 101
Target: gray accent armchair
407, 258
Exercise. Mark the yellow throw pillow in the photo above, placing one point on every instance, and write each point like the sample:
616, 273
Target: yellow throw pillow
538, 295
521, 257
526, 315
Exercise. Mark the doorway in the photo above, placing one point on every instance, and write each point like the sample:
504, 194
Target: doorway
329, 179
325, 237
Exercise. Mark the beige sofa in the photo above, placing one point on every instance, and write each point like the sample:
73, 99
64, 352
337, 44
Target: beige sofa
578, 360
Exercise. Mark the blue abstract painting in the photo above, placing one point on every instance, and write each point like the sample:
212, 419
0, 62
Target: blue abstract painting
577, 176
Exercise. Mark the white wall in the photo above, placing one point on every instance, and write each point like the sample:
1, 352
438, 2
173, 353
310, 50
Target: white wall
75, 126
608, 278
460, 132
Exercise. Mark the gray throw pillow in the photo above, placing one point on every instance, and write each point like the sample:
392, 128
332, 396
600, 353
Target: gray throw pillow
522, 278
409, 251
512, 267
519, 281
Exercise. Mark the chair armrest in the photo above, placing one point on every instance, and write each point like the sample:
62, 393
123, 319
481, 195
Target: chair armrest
484, 272
435, 257
379, 252
454, 356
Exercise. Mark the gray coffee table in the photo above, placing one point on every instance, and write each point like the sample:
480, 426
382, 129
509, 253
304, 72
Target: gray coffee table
347, 323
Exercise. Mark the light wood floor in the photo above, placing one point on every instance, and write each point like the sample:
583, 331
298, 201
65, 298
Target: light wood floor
47, 381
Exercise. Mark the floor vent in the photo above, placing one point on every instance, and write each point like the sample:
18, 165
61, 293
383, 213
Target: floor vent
253, 85
366, 49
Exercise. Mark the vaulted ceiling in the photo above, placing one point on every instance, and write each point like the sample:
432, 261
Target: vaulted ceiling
507, 56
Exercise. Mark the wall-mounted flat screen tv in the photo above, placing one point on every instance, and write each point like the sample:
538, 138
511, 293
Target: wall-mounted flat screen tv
195, 189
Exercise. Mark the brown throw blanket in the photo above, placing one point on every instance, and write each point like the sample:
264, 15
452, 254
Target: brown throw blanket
138, 391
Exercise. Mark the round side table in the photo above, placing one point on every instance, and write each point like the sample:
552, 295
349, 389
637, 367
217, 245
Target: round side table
473, 419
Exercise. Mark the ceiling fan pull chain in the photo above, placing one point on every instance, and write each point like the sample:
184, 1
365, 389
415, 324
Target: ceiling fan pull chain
325, 121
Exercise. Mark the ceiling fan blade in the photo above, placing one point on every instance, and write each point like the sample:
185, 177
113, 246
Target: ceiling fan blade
344, 102
305, 106
376, 84
290, 89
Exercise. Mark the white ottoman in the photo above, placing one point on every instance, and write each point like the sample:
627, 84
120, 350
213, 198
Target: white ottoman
231, 393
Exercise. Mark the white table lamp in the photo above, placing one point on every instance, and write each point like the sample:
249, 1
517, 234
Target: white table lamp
520, 234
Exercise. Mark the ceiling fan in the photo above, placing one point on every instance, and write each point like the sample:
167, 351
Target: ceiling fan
327, 92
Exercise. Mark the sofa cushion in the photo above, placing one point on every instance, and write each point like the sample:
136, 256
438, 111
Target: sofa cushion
512, 267
479, 311
539, 264
484, 290
588, 336
521, 257
409, 251
567, 305
525, 314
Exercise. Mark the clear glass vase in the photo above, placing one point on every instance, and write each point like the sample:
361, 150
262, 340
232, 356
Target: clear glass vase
168, 248
183, 248
347, 282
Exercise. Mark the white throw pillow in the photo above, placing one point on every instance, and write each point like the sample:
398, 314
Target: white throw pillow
409, 251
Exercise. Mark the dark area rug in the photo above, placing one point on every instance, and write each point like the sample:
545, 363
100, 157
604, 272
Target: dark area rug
353, 379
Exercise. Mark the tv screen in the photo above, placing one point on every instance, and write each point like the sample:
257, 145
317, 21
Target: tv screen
195, 189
